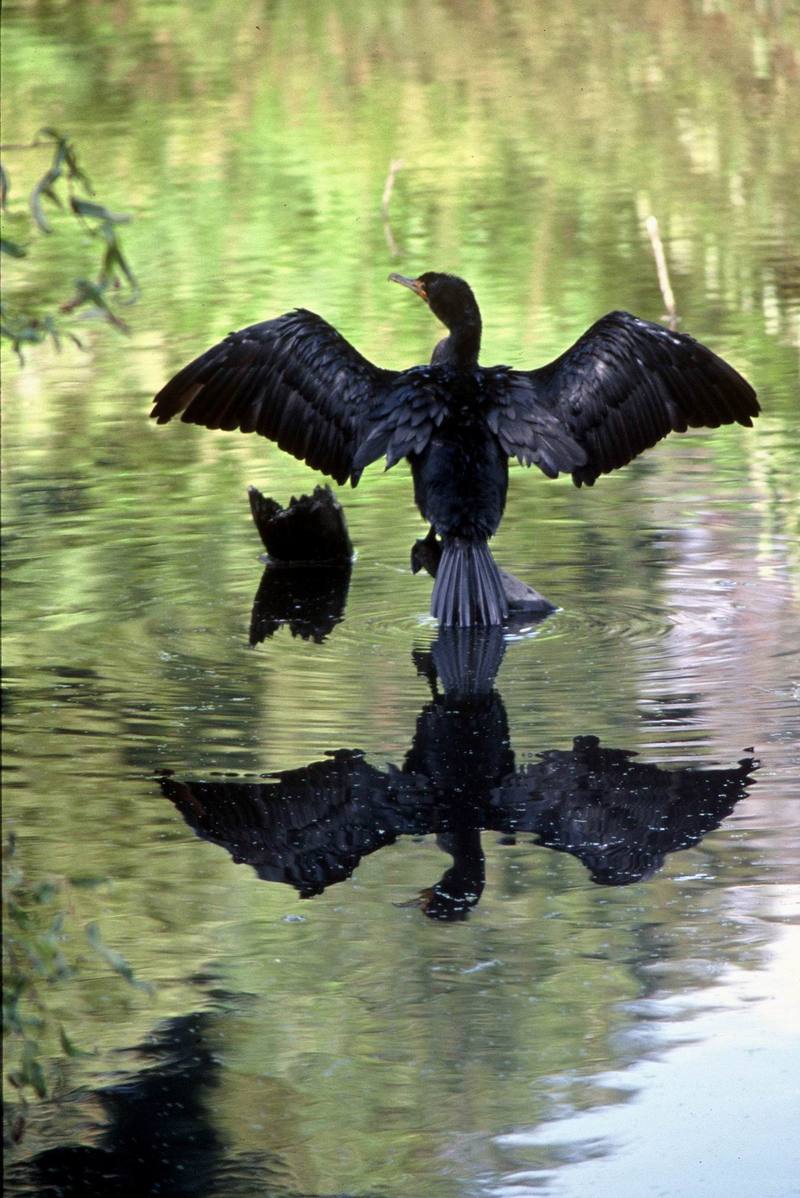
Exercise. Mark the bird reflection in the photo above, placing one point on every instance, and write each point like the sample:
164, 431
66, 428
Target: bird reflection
310, 827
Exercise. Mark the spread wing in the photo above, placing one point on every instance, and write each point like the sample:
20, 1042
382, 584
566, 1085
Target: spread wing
294, 379
625, 384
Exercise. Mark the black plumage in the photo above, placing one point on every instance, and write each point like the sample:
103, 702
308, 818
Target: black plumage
618, 390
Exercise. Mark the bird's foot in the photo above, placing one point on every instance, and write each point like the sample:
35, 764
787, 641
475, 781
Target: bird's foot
426, 553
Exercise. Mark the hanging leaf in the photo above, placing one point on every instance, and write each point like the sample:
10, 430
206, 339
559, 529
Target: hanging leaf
114, 257
5, 186
87, 292
97, 211
44, 188
31, 1072
11, 248
44, 891
68, 1046
63, 156
28, 331
65, 153
86, 881
57, 187
115, 959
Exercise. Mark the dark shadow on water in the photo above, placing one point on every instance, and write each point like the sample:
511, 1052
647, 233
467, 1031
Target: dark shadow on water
310, 827
157, 1131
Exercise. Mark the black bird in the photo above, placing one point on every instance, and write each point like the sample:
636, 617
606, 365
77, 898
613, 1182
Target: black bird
619, 389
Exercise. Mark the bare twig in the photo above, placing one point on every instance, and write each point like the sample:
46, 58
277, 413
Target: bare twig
651, 224
394, 166
27, 145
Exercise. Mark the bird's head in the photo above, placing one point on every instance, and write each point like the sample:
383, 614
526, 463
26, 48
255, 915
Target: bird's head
448, 297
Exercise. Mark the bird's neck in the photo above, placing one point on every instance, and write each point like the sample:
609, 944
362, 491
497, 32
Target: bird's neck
462, 347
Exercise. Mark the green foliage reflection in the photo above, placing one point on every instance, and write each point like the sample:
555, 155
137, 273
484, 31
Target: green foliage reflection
40, 952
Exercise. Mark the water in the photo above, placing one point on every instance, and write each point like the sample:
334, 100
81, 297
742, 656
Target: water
540, 1040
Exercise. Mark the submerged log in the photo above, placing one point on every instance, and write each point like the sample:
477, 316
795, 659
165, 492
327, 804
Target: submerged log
524, 599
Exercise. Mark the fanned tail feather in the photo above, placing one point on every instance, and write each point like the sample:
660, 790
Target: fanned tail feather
468, 590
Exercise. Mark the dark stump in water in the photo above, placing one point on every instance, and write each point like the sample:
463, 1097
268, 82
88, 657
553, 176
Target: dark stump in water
309, 558
310, 531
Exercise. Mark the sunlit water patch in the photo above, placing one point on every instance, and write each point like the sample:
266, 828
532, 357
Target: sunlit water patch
695, 1078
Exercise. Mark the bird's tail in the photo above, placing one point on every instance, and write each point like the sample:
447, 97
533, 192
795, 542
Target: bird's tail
468, 588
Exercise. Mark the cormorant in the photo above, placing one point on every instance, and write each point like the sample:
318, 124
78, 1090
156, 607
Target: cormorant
619, 389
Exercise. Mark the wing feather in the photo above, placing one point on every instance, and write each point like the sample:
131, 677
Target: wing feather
525, 428
626, 383
415, 403
294, 379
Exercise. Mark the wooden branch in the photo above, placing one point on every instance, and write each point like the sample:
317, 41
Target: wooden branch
651, 224
394, 166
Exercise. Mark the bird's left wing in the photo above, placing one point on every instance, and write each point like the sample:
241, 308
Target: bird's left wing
625, 384
294, 379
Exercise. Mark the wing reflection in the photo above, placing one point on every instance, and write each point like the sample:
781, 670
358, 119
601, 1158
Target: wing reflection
310, 827
310, 599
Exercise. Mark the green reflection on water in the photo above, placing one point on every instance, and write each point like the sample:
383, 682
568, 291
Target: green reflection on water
253, 152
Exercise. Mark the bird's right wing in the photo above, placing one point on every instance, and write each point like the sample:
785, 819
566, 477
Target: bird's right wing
294, 379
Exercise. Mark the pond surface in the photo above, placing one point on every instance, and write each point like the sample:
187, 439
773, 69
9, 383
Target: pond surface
394, 934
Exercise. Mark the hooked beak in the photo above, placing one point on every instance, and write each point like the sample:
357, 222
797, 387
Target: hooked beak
414, 284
